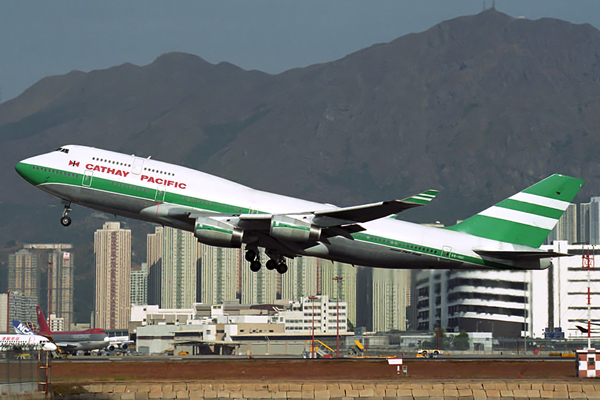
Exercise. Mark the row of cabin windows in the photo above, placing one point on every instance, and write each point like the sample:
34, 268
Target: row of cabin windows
395, 243
56, 171
157, 171
104, 160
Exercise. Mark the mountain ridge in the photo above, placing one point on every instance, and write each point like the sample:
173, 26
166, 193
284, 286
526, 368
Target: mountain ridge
484, 101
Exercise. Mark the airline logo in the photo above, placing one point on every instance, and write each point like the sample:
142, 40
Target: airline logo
165, 182
11, 339
22, 328
143, 178
107, 170
73, 163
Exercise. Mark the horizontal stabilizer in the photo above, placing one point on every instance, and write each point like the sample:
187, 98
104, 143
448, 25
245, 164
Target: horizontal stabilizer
520, 254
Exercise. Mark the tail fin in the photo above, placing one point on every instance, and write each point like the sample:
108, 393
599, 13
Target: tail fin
21, 328
44, 329
527, 217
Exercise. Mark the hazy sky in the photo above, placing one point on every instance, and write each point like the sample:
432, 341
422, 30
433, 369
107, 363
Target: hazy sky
42, 38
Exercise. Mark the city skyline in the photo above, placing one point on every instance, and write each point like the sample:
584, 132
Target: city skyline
216, 275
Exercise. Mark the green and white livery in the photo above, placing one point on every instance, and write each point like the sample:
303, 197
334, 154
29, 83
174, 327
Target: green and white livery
223, 213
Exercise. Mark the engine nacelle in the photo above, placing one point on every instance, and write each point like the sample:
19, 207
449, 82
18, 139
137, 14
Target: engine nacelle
217, 233
287, 228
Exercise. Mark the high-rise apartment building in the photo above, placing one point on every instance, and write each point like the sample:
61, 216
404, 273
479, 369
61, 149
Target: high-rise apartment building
25, 269
584, 222
24, 272
61, 282
567, 228
344, 289
594, 221
16, 306
139, 286
179, 266
219, 274
112, 246
259, 287
154, 262
172, 257
302, 278
391, 297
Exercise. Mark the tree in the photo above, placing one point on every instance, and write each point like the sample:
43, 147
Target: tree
461, 341
433, 342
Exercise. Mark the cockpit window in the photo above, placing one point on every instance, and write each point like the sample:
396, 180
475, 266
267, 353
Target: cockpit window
63, 150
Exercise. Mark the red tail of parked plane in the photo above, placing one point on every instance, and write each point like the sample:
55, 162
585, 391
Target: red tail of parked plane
44, 328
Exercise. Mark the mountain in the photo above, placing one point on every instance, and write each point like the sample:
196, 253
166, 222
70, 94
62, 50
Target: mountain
478, 107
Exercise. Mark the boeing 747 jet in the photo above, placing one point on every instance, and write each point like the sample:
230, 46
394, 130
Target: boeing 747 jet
223, 213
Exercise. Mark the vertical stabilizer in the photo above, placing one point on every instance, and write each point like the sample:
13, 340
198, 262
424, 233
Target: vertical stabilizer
527, 217
44, 329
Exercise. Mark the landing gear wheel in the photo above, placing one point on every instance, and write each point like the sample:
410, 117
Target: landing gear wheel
271, 265
255, 266
250, 255
65, 220
282, 268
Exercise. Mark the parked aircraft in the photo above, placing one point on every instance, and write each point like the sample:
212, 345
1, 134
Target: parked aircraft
223, 213
23, 343
69, 342
119, 343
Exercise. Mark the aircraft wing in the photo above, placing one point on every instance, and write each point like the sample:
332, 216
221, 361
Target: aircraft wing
370, 212
355, 214
323, 218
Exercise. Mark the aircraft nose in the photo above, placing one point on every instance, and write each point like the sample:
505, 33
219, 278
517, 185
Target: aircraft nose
27, 170
106, 339
50, 347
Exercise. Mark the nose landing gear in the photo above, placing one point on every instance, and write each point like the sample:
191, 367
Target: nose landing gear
65, 220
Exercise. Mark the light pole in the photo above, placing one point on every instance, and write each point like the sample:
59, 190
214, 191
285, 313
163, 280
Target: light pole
337, 307
49, 291
588, 263
312, 344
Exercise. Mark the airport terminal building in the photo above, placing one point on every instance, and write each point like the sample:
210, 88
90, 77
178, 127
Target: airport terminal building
231, 328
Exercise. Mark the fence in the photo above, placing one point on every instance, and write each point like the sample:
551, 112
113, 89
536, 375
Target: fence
20, 372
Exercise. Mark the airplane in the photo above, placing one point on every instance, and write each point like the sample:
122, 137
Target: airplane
119, 343
223, 213
23, 343
68, 342
585, 329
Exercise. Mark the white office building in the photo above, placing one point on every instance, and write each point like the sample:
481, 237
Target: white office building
473, 301
514, 303
318, 313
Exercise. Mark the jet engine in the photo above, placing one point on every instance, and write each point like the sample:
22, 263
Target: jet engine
293, 229
217, 233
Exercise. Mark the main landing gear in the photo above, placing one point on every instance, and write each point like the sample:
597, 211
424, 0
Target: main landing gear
65, 220
252, 257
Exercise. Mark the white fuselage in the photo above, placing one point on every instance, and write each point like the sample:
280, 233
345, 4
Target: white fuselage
147, 189
26, 342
